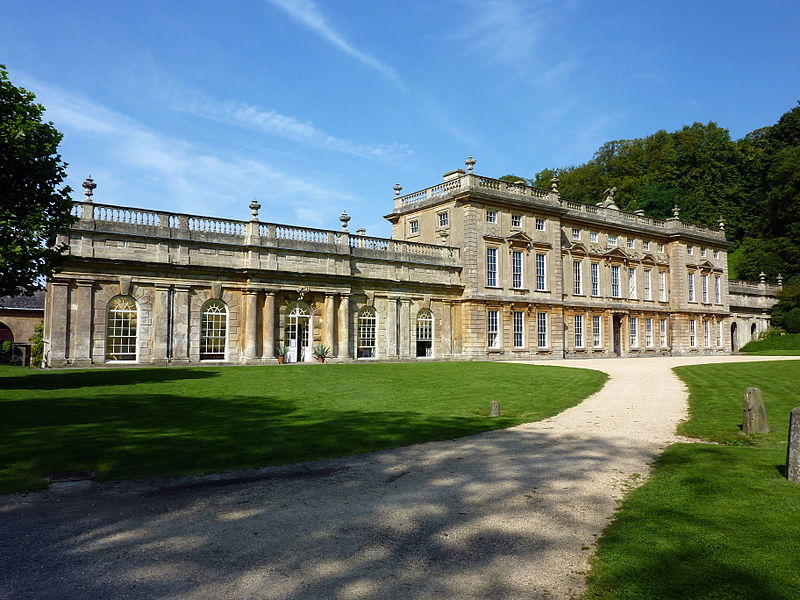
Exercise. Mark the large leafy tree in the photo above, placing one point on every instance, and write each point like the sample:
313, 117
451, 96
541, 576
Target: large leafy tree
34, 205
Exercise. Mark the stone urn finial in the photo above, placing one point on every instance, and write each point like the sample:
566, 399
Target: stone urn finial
676, 211
780, 280
254, 208
554, 185
345, 219
762, 277
721, 222
88, 188
397, 189
361, 231
470, 162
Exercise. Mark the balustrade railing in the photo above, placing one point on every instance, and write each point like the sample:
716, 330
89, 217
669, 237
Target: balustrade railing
470, 181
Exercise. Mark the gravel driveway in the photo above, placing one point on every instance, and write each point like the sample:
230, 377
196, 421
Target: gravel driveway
506, 514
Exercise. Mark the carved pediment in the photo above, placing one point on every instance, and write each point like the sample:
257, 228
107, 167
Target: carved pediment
649, 258
616, 253
519, 240
579, 248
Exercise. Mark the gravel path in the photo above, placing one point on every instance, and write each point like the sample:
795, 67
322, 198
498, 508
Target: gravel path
506, 514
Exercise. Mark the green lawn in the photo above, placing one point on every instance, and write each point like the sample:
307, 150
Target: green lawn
714, 521
779, 345
129, 423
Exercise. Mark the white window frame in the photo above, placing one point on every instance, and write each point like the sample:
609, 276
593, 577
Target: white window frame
516, 221
122, 330
542, 333
413, 227
647, 281
443, 219
491, 266
366, 334
690, 283
540, 224
719, 333
715, 254
613, 240
690, 250
662, 332
660, 247
517, 262
213, 331
646, 245
576, 234
541, 272
597, 331
631, 243
491, 216
692, 333
648, 332
633, 292
615, 283
578, 331
662, 286
595, 275
706, 333
633, 328
717, 289
703, 252
577, 279
704, 287
493, 328
593, 236
519, 329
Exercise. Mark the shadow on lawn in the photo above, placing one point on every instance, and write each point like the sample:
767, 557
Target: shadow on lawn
58, 380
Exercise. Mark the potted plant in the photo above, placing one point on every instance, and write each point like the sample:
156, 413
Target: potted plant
321, 352
282, 352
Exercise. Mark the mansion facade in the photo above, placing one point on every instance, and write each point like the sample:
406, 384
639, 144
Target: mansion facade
476, 268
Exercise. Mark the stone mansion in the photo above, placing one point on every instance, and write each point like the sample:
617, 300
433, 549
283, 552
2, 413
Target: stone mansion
476, 268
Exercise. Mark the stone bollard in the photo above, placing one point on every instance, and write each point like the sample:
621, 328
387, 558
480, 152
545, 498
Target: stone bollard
755, 415
494, 409
793, 449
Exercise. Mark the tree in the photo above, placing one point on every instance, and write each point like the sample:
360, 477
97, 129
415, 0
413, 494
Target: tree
34, 207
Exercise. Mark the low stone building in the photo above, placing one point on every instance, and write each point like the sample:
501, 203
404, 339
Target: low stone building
476, 268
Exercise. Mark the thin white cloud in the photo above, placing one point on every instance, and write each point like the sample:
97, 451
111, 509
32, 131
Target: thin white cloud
308, 13
275, 123
137, 158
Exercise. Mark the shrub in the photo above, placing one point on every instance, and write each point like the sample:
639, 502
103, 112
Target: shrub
791, 320
37, 345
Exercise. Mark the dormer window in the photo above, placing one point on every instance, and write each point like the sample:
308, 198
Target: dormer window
491, 216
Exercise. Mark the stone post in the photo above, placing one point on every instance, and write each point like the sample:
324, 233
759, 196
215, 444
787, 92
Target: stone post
83, 323
180, 325
344, 326
268, 325
793, 448
250, 324
58, 334
330, 314
755, 415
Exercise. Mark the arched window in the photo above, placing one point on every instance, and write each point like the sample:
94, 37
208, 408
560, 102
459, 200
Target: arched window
424, 333
121, 324
213, 330
753, 332
6, 343
366, 333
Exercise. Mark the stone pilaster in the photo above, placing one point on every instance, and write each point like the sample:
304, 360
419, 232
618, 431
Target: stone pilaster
84, 310
250, 324
180, 324
268, 326
447, 329
58, 334
329, 322
405, 328
160, 323
344, 326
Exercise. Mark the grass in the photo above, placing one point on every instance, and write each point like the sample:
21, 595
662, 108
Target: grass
132, 423
714, 521
779, 345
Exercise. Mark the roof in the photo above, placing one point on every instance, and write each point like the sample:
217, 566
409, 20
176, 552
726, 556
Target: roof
35, 302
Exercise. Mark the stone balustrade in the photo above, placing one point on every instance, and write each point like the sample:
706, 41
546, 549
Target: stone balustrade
159, 224
471, 182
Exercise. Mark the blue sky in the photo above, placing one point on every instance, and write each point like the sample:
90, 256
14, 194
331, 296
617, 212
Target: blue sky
314, 106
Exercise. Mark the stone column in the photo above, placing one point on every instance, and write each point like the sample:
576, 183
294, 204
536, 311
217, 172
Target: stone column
250, 324
268, 326
344, 326
391, 327
180, 325
83, 323
330, 316
160, 323
447, 328
58, 332
405, 328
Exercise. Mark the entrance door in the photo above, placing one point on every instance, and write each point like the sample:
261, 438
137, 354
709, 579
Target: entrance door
297, 335
734, 340
617, 334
